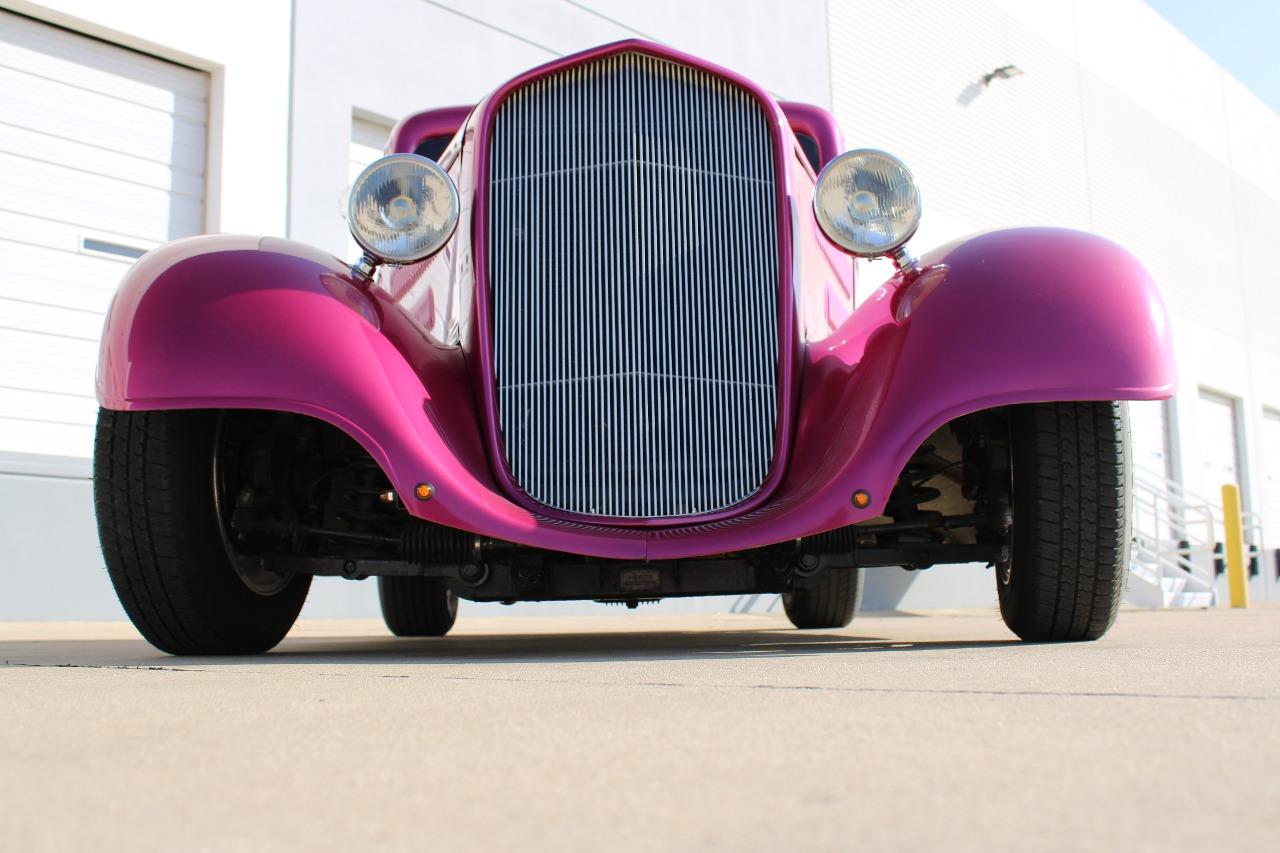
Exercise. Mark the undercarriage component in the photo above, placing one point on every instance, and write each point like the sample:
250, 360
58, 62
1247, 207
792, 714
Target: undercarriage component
951, 505
427, 544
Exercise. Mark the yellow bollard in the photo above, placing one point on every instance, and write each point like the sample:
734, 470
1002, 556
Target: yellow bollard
1234, 535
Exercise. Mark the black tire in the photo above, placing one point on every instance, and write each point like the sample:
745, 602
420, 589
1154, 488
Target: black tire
154, 495
1070, 556
417, 607
831, 604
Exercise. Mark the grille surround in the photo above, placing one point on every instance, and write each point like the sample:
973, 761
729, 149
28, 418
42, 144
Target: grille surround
609, 466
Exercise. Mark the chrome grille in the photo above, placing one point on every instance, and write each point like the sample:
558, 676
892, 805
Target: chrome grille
633, 257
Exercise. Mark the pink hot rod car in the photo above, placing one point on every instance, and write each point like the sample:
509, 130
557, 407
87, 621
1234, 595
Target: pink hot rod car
601, 345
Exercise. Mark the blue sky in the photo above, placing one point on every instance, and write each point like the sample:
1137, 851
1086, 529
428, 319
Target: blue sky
1243, 36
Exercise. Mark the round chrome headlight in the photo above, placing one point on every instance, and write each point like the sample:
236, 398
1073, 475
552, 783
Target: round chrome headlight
403, 208
867, 202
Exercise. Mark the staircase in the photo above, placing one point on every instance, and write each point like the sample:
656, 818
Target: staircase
1174, 545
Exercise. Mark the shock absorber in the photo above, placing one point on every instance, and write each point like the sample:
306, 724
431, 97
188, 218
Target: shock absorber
910, 492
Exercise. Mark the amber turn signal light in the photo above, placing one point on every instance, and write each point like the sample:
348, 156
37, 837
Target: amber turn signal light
862, 499
424, 491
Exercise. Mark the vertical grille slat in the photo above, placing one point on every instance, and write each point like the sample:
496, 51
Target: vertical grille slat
633, 258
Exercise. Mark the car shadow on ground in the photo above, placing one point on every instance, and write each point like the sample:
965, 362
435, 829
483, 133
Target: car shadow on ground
471, 649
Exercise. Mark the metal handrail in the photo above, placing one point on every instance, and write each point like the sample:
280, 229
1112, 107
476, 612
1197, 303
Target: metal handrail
1180, 494
1173, 532
1173, 492
1166, 516
1175, 559
1253, 533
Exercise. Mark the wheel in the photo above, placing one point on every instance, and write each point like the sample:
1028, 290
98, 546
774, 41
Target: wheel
1070, 554
831, 604
417, 607
164, 542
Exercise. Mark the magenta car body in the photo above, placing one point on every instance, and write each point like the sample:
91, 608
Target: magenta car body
405, 366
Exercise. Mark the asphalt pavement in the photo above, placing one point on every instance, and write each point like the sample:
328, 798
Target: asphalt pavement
646, 732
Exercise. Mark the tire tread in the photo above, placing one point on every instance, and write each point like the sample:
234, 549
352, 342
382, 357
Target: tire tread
1070, 520
832, 604
416, 607
159, 540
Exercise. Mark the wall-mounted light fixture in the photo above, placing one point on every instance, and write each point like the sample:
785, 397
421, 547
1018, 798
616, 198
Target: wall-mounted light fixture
1004, 72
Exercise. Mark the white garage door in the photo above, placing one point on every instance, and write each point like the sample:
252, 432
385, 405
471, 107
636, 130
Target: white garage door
102, 154
1216, 440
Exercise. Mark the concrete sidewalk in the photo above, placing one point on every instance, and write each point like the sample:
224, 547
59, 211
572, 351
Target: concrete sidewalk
650, 733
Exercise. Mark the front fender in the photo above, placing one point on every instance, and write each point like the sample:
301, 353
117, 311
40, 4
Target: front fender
242, 323
1018, 316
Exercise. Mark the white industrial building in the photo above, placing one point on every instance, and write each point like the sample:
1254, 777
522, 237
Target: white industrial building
129, 123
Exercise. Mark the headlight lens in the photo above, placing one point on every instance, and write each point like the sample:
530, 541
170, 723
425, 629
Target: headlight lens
403, 208
867, 202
